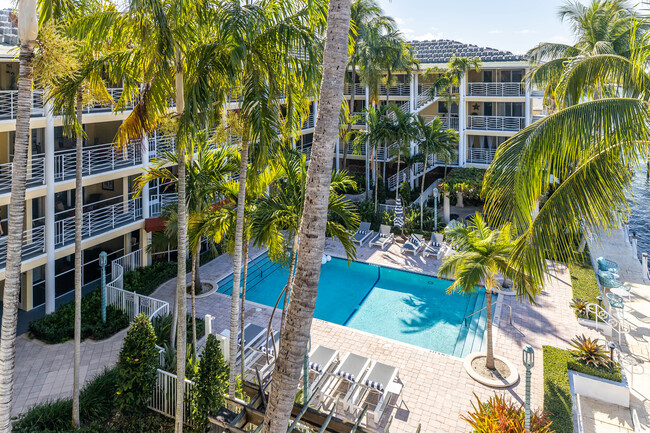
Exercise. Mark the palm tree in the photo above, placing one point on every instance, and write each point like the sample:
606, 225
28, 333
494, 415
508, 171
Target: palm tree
452, 77
379, 131
580, 160
366, 15
437, 141
405, 132
27, 32
276, 219
311, 237
205, 176
602, 27
482, 254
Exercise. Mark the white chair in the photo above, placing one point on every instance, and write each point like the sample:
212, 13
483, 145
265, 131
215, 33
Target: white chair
362, 234
436, 247
340, 382
383, 238
413, 245
380, 382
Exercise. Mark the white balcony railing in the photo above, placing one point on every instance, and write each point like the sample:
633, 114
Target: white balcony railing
309, 122
96, 159
398, 90
9, 104
480, 156
495, 123
96, 221
496, 89
446, 121
33, 244
158, 201
35, 173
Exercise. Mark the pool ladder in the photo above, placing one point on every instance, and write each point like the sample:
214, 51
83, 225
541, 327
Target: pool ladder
495, 306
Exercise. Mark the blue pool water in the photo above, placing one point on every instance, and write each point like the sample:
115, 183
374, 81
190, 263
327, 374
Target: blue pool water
404, 306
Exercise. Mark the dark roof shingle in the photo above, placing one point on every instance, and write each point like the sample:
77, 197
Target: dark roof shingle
8, 33
442, 50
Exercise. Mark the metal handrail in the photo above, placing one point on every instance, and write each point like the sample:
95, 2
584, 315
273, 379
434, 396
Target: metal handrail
484, 308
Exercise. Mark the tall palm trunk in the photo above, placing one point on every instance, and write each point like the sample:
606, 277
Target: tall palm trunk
397, 176
374, 168
424, 176
242, 311
293, 344
236, 269
195, 268
181, 276
489, 361
78, 263
15, 227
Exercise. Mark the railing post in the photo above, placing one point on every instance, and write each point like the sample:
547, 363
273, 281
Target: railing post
208, 324
634, 245
644, 264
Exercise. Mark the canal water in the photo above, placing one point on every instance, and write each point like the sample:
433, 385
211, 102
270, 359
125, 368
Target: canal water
640, 206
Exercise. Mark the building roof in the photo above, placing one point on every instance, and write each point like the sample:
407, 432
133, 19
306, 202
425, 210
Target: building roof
442, 50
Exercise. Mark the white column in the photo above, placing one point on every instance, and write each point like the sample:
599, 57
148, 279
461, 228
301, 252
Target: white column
528, 107
414, 93
145, 189
50, 292
336, 153
462, 121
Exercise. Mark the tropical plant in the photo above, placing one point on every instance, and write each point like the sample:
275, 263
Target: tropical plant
451, 76
588, 351
311, 236
580, 159
275, 222
601, 27
405, 132
580, 308
211, 383
503, 415
27, 33
482, 254
210, 164
434, 140
137, 366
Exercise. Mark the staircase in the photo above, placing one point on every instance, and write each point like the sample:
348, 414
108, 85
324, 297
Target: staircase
470, 339
258, 269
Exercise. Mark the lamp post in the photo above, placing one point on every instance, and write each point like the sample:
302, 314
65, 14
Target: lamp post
103, 259
436, 196
528, 356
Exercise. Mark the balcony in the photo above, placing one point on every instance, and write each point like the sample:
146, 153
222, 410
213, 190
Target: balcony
359, 90
480, 156
158, 201
398, 90
446, 121
9, 103
309, 122
496, 89
495, 123
95, 221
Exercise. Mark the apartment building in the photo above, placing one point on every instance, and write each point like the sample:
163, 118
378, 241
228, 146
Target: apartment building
490, 106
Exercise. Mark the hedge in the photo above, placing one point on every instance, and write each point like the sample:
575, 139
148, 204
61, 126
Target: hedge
583, 278
58, 327
557, 393
469, 181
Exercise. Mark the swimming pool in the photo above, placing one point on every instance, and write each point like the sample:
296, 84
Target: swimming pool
401, 305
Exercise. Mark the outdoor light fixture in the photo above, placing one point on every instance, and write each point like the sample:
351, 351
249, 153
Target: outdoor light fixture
528, 357
612, 346
103, 261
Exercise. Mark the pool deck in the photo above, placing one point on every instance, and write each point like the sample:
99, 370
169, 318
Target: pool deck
436, 390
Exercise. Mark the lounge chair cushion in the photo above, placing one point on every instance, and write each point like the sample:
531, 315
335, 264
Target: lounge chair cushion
346, 375
363, 232
316, 367
376, 385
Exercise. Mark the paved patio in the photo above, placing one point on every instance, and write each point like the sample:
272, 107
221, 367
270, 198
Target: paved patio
436, 388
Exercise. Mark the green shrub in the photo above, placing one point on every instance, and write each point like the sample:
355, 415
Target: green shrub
162, 326
59, 326
144, 281
469, 181
97, 403
583, 278
557, 394
211, 383
589, 352
137, 367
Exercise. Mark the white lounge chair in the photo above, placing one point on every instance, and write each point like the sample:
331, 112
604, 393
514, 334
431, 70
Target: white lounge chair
435, 247
383, 238
252, 335
380, 383
340, 382
257, 355
321, 362
363, 234
413, 245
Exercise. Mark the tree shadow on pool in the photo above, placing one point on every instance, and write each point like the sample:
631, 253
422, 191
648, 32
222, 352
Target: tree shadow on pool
429, 314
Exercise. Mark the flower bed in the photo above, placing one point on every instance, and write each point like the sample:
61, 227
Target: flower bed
557, 391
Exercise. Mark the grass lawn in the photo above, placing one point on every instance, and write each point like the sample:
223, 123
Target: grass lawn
557, 394
583, 279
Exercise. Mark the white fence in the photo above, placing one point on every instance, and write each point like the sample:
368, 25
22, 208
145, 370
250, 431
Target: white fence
481, 156
130, 302
163, 398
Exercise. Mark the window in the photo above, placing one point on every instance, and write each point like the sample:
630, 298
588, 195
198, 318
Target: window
511, 109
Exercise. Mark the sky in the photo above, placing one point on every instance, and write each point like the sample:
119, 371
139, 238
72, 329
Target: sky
511, 25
